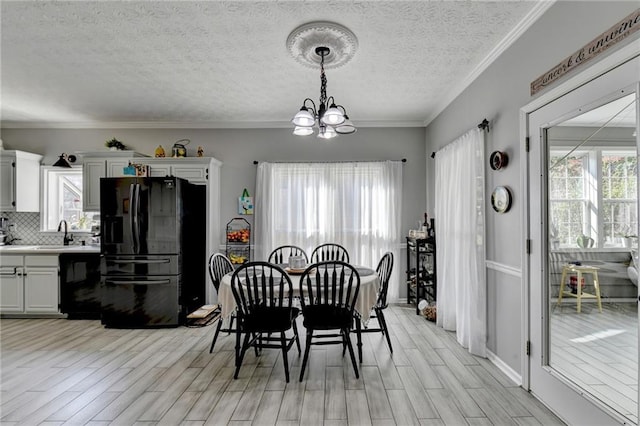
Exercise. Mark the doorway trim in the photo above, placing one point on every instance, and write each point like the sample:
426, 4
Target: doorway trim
597, 69
610, 62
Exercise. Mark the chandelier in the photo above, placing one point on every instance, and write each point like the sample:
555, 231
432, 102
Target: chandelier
331, 119
329, 44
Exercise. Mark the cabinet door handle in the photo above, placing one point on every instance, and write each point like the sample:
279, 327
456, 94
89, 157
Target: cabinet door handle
10, 274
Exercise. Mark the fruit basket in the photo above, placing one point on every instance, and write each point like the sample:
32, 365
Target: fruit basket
238, 241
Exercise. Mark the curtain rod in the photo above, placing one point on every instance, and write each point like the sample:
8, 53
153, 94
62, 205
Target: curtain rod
404, 160
484, 125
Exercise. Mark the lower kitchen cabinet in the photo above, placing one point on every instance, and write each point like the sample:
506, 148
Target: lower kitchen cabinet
29, 284
11, 284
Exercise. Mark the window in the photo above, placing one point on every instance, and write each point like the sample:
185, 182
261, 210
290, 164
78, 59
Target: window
62, 200
593, 193
356, 204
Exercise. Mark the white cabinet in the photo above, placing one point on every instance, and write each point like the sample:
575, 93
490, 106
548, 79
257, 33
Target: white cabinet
19, 181
29, 284
194, 169
96, 165
11, 284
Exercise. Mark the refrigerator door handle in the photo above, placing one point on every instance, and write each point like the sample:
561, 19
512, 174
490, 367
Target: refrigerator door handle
132, 215
136, 218
143, 282
140, 262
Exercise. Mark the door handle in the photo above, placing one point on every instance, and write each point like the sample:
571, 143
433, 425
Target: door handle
143, 282
140, 262
132, 209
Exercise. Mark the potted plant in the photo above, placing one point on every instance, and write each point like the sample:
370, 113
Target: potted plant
114, 145
584, 241
629, 240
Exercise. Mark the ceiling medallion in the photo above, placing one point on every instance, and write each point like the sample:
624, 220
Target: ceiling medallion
303, 41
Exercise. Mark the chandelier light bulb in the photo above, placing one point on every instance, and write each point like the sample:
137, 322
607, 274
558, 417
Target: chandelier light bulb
326, 132
303, 130
333, 116
304, 118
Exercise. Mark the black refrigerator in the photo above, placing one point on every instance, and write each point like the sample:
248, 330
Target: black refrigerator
153, 259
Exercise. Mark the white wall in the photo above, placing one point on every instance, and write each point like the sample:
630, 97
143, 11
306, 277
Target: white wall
498, 94
237, 149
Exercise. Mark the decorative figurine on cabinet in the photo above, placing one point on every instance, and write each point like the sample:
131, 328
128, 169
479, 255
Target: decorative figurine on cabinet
159, 153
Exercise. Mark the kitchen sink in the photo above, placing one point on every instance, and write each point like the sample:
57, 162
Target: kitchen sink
51, 247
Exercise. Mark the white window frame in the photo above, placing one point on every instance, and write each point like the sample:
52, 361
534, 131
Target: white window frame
51, 199
593, 201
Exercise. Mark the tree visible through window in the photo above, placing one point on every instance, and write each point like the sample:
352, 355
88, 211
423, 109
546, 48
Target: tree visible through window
592, 193
62, 200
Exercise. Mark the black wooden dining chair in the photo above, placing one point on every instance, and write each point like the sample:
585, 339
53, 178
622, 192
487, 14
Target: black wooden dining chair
384, 268
329, 251
219, 266
328, 293
280, 255
264, 295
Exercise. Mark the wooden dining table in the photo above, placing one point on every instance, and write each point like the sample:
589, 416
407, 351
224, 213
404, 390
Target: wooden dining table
367, 296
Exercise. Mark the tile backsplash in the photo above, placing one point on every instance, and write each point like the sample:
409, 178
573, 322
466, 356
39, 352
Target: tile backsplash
27, 230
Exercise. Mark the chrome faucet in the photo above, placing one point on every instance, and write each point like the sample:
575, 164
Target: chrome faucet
67, 237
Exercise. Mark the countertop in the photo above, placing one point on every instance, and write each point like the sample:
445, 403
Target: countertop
48, 249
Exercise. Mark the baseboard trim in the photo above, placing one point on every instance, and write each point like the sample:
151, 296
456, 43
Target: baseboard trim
502, 366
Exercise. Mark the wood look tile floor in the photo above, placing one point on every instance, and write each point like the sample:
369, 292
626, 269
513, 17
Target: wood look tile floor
599, 352
64, 372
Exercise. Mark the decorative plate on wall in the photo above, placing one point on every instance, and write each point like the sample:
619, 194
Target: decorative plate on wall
498, 160
501, 199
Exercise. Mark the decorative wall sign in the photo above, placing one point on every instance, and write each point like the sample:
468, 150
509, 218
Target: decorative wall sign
498, 160
245, 203
604, 41
501, 199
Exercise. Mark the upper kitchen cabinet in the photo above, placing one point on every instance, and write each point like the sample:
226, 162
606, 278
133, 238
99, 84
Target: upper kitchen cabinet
96, 165
194, 169
19, 181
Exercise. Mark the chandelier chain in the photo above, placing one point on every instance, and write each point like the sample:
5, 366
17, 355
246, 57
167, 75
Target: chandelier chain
323, 82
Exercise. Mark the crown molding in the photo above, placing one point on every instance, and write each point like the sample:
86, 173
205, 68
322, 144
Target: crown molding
186, 125
538, 10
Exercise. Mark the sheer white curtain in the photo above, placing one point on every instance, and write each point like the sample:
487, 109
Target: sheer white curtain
355, 204
459, 214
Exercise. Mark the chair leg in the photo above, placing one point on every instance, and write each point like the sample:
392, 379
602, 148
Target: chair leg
359, 337
351, 354
283, 341
240, 357
383, 326
215, 336
231, 317
258, 348
306, 353
238, 347
295, 332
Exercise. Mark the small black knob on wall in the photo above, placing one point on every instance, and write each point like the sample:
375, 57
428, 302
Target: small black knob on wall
13, 203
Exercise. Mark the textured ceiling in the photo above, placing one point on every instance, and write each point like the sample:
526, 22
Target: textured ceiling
226, 64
